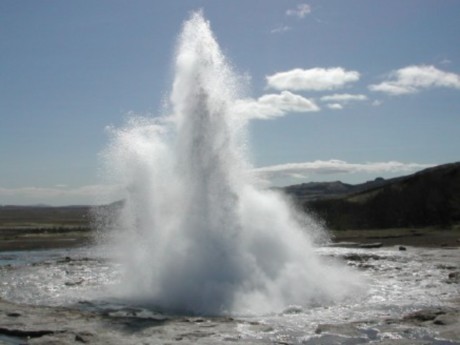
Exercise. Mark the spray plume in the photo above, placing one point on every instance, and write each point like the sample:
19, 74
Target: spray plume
196, 234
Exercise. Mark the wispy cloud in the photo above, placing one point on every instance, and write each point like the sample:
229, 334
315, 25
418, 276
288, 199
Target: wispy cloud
334, 166
280, 29
274, 105
445, 62
315, 79
300, 11
335, 106
343, 98
413, 79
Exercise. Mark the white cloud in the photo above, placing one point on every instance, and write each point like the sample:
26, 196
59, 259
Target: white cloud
339, 100
335, 106
60, 195
289, 102
413, 79
274, 105
280, 29
343, 98
334, 166
300, 11
316, 79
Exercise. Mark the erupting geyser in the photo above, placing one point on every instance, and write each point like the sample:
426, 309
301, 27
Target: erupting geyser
195, 233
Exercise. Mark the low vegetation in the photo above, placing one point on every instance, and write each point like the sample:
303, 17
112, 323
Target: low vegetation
428, 198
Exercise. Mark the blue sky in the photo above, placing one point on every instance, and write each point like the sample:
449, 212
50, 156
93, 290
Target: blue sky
347, 90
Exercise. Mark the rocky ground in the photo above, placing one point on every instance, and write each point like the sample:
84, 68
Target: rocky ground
444, 323
82, 324
416, 237
23, 324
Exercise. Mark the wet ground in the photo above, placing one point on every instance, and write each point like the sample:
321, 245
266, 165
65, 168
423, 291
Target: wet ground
60, 296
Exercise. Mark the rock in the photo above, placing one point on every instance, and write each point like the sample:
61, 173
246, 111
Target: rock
13, 314
446, 267
83, 337
454, 278
59, 339
361, 257
371, 245
402, 248
429, 314
293, 309
346, 329
444, 320
78, 282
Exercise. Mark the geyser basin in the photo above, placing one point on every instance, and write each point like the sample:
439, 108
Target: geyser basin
195, 234
400, 283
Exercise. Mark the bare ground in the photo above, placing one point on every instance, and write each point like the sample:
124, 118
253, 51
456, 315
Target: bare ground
33, 238
417, 237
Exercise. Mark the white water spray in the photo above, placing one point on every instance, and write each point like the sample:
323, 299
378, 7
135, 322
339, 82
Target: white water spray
197, 236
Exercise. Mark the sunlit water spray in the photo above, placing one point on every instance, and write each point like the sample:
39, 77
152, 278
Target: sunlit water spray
196, 233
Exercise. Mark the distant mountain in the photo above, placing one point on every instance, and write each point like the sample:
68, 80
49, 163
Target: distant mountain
320, 190
430, 197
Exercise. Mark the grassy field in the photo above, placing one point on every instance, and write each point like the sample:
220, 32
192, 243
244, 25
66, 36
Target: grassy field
28, 216
26, 228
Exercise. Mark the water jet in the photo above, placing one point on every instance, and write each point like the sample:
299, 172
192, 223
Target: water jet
196, 234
